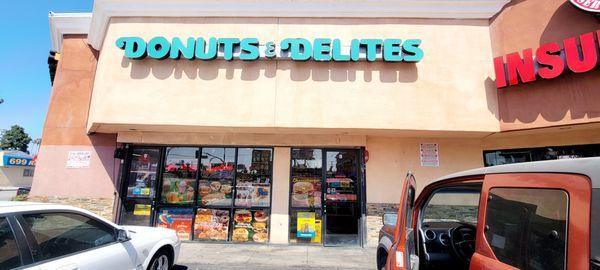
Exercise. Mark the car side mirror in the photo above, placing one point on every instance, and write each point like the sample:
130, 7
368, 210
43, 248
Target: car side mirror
122, 236
390, 219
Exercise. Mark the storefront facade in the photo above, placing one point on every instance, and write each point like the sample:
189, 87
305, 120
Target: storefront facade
296, 122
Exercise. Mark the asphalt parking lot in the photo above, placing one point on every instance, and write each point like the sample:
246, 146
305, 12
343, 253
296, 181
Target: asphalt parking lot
273, 257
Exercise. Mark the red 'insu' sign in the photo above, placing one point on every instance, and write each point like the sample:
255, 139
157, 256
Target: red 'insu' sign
579, 55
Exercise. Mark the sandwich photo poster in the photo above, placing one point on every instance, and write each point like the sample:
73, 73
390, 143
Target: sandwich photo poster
306, 192
250, 226
178, 219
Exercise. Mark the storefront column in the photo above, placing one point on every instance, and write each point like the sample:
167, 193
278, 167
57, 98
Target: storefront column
280, 198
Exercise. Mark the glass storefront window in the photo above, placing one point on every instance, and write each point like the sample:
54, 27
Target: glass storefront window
250, 226
179, 175
307, 173
211, 224
508, 156
178, 219
197, 190
136, 213
215, 186
253, 177
306, 186
142, 173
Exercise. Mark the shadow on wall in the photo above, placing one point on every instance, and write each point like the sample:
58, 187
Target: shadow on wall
105, 145
573, 94
491, 96
252, 70
568, 21
557, 101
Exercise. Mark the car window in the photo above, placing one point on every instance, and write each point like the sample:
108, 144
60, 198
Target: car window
526, 227
9, 252
58, 234
453, 204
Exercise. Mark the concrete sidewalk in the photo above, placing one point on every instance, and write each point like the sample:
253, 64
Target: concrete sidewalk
273, 257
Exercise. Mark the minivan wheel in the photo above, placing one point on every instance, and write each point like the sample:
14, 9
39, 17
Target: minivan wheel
160, 261
381, 259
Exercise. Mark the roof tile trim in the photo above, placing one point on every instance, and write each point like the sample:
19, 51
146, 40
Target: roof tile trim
447, 9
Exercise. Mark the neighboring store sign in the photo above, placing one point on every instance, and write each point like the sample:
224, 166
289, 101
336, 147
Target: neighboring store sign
79, 159
587, 5
577, 54
430, 155
9, 160
249, 49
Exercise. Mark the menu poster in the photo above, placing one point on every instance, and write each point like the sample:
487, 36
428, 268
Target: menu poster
306, 225
178, 219
430, 155
250, 226
215, 192
306, 192
178, 191
211, 224
251, 194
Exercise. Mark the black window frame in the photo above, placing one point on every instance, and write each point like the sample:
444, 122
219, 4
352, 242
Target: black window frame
157, 205
124, 177
360, 192
20, 239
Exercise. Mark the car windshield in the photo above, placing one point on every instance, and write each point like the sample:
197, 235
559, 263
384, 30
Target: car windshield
453, 204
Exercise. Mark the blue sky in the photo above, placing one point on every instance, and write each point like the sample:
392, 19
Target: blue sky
24, 78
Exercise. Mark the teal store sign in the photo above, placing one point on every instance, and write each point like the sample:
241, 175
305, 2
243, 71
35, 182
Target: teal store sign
249, 49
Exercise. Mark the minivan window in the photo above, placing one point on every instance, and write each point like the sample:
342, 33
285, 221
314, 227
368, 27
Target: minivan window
59, 234
453, 204
527, 228
9, 251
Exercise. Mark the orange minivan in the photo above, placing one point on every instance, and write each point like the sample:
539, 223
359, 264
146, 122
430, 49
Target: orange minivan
536, 215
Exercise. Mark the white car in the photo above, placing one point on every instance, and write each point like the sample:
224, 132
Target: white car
42, 236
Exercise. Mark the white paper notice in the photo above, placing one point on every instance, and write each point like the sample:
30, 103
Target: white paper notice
430, 155
79, 159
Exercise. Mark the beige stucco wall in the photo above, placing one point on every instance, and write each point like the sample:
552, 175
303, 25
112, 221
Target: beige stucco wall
281, 191
391, 158
449, 90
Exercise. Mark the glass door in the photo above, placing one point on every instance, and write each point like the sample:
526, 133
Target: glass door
140, 186
306, 214
341, 200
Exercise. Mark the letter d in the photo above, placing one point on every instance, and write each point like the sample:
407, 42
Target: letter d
135, 47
